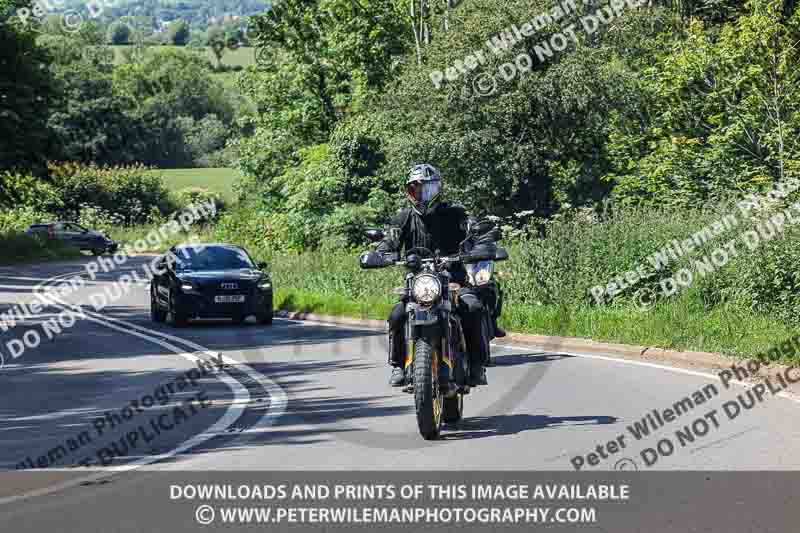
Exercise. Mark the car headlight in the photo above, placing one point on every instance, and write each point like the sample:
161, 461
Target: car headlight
480, 273
265, 285
186, 286
426, 289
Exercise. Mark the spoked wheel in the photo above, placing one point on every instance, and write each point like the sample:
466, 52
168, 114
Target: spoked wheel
427, 396
453, 409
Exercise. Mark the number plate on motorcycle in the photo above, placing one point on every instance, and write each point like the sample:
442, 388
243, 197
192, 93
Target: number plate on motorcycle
231, 299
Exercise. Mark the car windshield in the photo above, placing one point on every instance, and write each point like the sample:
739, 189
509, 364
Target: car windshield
211, 258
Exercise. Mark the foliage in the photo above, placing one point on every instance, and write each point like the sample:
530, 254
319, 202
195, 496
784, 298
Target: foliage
19, 247
27, 190
198, 195
130, 191
722, 114
119, 33
99, 219
26, 92
17, 219
178, 33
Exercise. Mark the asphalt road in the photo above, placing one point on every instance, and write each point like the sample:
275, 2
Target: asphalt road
302, 396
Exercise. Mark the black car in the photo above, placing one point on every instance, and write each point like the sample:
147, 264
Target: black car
75, 235
210, 281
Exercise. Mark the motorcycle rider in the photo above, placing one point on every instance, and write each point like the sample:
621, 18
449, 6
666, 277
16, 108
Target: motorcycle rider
436, 225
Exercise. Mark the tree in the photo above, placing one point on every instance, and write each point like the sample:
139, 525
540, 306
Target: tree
317, 62
179, 33
26, 92
218, 44
119, 33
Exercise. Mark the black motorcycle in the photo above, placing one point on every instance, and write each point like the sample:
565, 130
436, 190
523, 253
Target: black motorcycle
438, 357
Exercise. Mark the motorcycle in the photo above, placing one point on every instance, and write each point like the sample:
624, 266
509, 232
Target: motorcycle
438, 358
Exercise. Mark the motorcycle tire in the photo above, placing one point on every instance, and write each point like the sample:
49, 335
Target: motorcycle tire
427, 396
485, 341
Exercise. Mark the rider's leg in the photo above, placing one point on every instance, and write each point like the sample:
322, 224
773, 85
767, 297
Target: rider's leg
472, 333
397, 344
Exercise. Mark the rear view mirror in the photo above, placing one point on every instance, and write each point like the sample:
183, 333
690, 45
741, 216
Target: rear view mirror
374, 235
501, 254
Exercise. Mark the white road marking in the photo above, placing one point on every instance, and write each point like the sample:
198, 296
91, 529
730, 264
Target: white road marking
609, 358
278, 398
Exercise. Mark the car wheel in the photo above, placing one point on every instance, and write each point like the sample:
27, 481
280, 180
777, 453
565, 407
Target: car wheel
156, 313
265, 318
176, 319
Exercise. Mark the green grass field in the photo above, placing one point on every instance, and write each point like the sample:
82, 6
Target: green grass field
244, 56
214, 179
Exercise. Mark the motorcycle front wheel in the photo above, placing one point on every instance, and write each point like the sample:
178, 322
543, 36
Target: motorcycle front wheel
427, 396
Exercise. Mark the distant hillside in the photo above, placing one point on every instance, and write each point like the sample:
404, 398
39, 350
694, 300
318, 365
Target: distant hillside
198, 13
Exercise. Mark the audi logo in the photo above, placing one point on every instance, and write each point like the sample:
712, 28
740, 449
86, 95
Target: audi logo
230, 286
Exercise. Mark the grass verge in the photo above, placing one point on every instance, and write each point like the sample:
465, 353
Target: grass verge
673, 325
21, 248
219, 180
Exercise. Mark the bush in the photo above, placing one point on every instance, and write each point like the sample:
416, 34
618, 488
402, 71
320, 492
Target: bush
130, 191
19, 247
18, 219
196, 195
119, 33
97, 218
18, 190
179, 33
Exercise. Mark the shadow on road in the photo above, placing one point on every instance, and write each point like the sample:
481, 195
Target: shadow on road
527, 358
500, 425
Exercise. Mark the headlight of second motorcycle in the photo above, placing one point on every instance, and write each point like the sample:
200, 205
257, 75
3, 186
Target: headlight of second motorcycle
426, 289
480, 273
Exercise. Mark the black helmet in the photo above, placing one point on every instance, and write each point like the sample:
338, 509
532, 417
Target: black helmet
423, 187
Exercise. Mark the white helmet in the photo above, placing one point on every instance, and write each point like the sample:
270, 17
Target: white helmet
423, 186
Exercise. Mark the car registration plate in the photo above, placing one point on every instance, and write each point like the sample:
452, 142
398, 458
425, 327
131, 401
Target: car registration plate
232, 299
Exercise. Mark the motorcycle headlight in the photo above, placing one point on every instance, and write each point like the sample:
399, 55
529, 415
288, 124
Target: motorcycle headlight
480, 273
426, 289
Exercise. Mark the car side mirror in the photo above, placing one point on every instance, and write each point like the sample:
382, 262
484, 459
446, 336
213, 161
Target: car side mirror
262, 265
501, 254
374, 235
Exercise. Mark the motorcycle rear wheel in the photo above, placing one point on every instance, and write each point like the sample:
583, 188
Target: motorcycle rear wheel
453, 409
486, 342
427, 396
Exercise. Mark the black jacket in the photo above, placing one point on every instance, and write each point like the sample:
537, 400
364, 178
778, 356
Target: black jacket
443, 228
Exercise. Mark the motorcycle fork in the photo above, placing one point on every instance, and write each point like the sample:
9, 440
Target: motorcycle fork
409, 342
